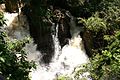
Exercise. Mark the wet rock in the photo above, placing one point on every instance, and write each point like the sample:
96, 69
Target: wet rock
64, 28
11, 6
40, 30
88, 42
41, 33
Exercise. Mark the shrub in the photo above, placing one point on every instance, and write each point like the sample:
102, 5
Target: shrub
13, 58
2, 20
105, 66
94, 23
13, 63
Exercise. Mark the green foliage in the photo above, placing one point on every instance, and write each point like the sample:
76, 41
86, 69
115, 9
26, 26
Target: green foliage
2, 1
13, 58
2, 20
101, 17
110, 12
63, 77
105, 23
13, 62
94, 23
75, 3
105, 66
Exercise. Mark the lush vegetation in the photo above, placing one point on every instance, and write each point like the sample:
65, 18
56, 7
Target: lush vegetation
101, 18
13, 58
106, 53
2, 20
104, 24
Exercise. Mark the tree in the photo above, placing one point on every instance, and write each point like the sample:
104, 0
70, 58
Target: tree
13, 58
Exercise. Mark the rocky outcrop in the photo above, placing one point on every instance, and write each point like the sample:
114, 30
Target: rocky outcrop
41, 30
88, 42
63, 21
41, 33
93, 42
11, 6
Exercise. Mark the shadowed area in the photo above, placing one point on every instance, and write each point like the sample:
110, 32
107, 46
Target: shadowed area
42, 31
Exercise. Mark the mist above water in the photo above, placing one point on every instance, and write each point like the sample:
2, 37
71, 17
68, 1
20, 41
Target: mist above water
63, 62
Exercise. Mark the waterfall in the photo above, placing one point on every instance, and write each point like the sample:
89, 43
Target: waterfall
64, 60
56, 42
16, 28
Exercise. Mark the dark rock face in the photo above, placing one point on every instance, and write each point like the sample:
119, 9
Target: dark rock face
43, 39
88, 42
41, 31
11, 6
93, 42
63, 26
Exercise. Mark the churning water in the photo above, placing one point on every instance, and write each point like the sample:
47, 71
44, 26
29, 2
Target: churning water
63, 62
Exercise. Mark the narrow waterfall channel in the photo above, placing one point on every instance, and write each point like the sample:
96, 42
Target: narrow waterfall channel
63, 62
56, 43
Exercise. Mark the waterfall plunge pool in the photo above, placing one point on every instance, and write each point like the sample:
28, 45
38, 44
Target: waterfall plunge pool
63, 62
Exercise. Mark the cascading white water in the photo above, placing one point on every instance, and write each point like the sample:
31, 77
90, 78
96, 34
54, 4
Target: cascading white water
63, 62
56, 42
73, 54
16, 28
48, 72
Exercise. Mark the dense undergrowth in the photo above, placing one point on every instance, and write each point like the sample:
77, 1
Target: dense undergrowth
101, 18
13, 58
104, 24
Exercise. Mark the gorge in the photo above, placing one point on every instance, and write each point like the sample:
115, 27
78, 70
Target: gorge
60, 39
57, 52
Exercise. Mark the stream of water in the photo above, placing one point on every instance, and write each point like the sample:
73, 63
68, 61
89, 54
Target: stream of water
63, 62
